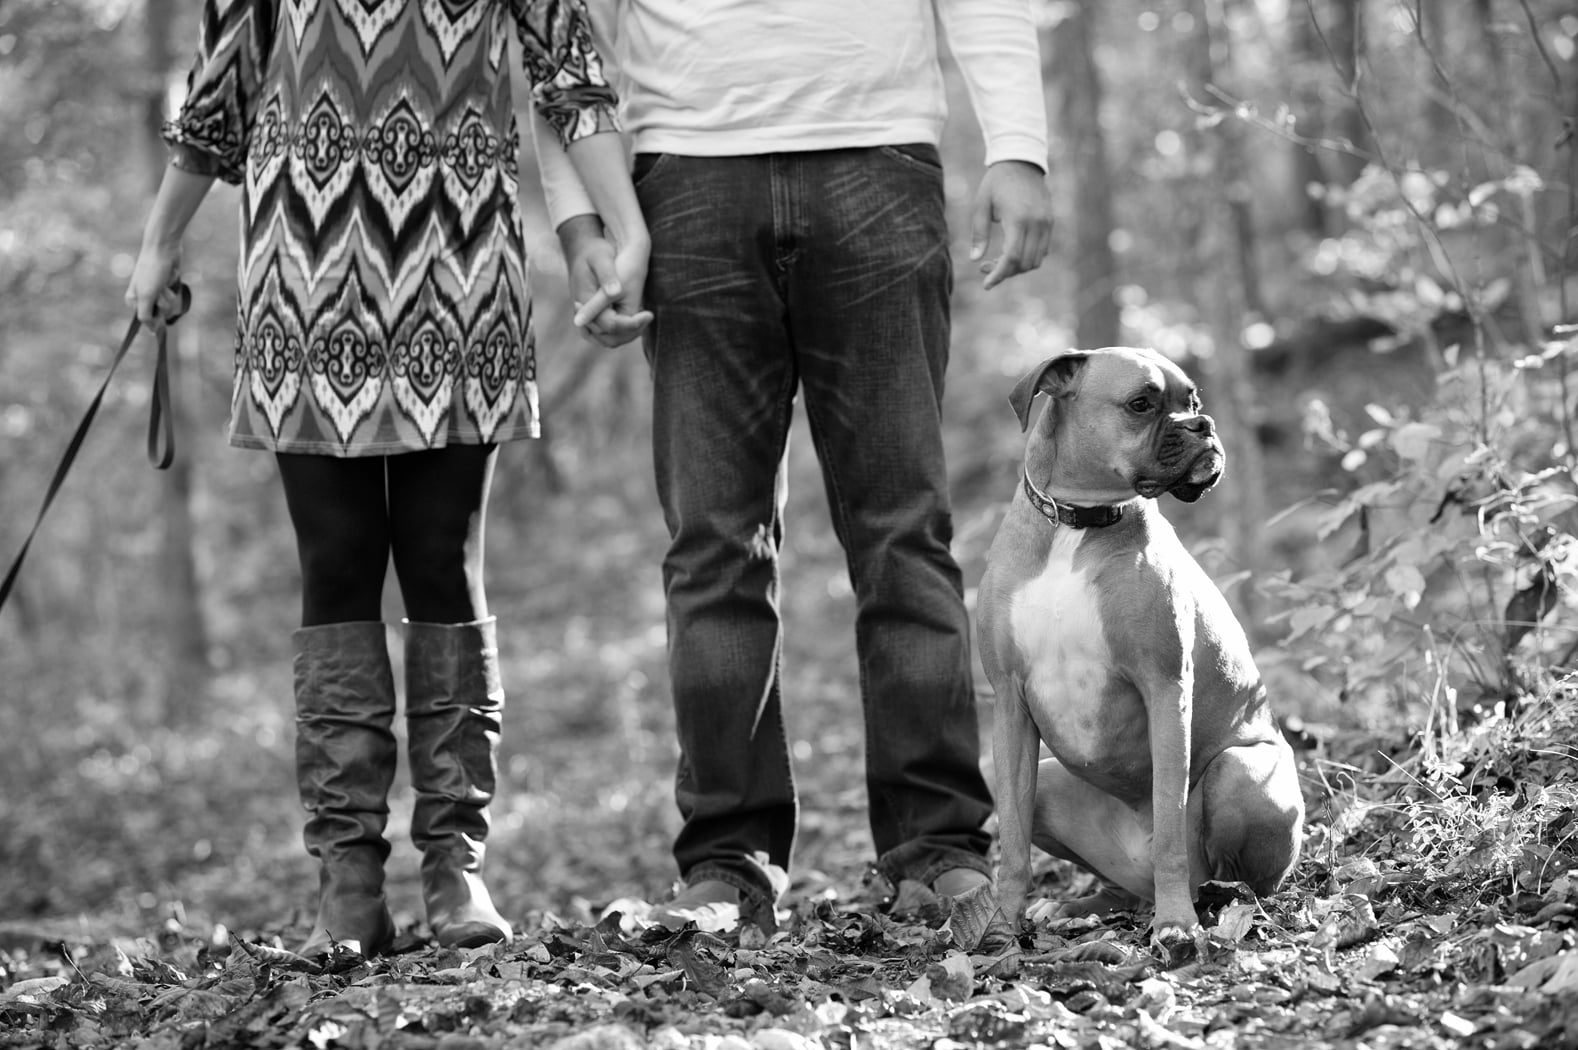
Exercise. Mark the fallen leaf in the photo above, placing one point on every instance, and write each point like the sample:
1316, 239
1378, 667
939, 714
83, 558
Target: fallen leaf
1156, 1035
35, 988
1352, 923
971, 916
1554, 975
781, 1039
1378, 960
602, 1037
989, 1023
1235, 922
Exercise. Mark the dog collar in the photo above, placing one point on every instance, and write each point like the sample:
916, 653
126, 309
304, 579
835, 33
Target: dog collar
1075, 517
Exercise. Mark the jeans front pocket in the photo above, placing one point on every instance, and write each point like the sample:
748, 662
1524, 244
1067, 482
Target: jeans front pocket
649, 165
919, 156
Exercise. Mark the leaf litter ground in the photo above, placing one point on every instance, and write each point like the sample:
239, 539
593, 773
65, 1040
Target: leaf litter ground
1434, 908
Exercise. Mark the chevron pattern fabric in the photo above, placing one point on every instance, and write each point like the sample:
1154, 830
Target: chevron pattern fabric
383, 304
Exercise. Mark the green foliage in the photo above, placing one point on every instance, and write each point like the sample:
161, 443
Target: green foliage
1399, 258
1489, 808
1466, 522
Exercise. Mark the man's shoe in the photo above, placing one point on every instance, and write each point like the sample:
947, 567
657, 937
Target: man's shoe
699, 902
956, 882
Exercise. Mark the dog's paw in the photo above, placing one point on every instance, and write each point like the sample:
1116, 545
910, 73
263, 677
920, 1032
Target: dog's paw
1043, 910
1174, 945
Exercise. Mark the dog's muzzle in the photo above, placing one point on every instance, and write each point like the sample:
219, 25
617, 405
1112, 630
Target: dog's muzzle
1189, 458
1203, 475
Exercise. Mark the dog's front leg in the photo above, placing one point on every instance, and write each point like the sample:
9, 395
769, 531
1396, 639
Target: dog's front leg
1170, 702
1016, 746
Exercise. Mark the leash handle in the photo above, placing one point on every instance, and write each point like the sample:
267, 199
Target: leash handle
161, 434
161, 411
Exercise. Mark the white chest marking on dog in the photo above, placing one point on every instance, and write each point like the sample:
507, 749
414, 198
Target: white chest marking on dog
1057, 625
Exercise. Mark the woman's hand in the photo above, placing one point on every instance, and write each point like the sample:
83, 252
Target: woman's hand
151, 293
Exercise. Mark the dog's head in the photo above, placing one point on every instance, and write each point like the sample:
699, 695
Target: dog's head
1125, 414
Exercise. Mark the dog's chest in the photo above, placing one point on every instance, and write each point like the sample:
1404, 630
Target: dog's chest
1057, 630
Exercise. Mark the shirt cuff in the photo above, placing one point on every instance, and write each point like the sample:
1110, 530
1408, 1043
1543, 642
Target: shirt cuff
1029, 148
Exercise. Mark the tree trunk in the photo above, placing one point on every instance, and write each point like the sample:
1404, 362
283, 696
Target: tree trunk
1437, 116
179, 588
1512, 117
1309, 165
1227, 290
1344, 36
1078, 82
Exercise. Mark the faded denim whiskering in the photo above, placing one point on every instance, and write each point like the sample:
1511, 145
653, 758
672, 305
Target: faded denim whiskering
827, 275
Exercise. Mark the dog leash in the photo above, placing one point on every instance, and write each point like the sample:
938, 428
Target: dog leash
161, 427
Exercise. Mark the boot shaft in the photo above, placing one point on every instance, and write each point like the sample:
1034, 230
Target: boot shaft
454, 708
454, 704
345, 747
452, 665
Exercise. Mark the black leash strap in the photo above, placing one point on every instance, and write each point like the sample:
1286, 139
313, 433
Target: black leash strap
161, 430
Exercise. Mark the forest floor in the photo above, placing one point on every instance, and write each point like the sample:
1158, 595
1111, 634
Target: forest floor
152, 880
1434, 907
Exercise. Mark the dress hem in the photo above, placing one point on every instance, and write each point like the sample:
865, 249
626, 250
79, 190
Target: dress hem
251, 442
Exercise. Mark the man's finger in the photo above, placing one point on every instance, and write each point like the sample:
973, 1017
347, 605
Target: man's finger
980, 228
599, 303
1009, 263
619, 329
604, 272
612, 328
1038, 249
631, 324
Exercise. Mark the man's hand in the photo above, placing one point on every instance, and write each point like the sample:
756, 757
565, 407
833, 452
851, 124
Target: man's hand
605, 281
1014, 194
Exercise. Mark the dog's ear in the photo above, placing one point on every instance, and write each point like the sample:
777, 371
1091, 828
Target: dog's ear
1051, 377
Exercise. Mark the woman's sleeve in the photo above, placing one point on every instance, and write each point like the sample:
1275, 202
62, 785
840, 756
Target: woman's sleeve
209, 135
568, 85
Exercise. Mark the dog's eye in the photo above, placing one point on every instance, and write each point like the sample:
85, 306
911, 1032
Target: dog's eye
1140, 405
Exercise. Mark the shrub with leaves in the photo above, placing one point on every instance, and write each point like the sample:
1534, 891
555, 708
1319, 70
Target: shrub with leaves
1462, 544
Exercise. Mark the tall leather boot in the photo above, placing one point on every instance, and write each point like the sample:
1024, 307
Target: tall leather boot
453, 707
345, 763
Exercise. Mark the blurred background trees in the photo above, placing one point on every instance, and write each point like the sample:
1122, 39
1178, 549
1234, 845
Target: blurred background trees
1352, 220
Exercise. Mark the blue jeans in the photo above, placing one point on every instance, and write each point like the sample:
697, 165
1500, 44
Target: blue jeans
826, 273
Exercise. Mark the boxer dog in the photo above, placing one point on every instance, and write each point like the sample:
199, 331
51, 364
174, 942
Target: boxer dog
1103, 637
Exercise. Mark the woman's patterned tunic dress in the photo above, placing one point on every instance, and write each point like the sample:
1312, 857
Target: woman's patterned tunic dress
382, 289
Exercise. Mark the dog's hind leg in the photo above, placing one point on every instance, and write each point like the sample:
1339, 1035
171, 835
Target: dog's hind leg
1078, 822
1252, 819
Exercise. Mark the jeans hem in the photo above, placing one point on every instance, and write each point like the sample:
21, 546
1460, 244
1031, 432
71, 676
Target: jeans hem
752, 890
923, 863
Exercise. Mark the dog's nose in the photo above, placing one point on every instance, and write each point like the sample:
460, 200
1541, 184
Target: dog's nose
1205, 426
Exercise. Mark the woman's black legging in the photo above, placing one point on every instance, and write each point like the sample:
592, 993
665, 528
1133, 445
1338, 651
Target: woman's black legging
425, 509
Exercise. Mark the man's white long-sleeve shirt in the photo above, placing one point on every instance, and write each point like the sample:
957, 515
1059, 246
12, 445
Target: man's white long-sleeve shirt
735, 77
